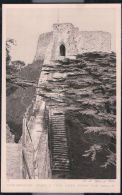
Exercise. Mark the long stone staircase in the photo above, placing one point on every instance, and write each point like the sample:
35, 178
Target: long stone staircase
59, 144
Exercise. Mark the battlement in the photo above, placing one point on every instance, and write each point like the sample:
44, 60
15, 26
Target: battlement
63, 27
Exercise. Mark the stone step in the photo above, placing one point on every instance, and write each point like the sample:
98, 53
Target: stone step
56, 117
56, 128
59, 134
58, 124
57, 114
60, 170
56, 155
59, 144
60, 152
58, 138
59, 141
57, 150
61, 167
62, 140
59, 160
56, 143
60, 119
60, 149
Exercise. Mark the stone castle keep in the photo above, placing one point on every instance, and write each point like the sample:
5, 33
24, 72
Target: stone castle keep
66, 40
45, 149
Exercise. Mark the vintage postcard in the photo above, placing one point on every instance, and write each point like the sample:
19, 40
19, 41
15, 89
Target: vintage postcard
61, 98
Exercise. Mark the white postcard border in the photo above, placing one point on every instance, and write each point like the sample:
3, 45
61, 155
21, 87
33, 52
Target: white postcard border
61, 185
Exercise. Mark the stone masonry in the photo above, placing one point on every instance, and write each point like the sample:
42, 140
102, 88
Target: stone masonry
66, 40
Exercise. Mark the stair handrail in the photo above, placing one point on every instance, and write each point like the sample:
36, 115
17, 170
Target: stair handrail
26, 164
26, 131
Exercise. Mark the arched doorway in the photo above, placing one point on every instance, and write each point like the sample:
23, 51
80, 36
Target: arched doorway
62, 50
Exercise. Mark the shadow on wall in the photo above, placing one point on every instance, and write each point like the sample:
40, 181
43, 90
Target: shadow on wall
62, 50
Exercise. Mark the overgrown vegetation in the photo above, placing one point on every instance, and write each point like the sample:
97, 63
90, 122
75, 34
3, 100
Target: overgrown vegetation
21, 82
86, 89
9, 44
21, 89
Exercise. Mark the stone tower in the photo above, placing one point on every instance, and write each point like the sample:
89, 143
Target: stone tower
67, 41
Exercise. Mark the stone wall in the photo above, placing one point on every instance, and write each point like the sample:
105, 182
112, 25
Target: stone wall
89, 41
14, 161
75, 42
43, 42
62, 34
66, 36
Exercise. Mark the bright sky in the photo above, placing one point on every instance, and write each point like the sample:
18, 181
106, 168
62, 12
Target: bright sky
26, 24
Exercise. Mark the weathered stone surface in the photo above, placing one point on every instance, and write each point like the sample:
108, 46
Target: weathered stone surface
14, 161
85, 90
74, 41
43, 42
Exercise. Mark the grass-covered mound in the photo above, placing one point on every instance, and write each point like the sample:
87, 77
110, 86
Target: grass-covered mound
86, 89
21, 89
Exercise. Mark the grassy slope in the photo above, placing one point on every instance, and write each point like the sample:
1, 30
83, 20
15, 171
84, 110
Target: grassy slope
19, 97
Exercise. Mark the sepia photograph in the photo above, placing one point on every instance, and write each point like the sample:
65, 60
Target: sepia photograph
61, 93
